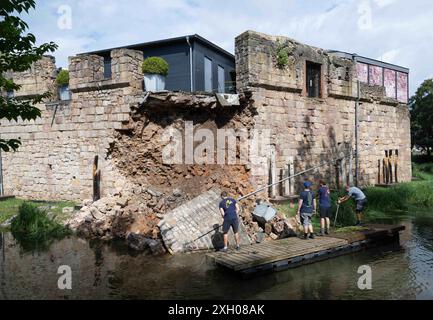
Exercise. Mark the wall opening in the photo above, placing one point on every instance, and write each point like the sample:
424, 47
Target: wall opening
107, 67
313, 79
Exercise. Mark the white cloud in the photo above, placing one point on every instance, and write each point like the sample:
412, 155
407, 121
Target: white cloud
400, 31
390, 56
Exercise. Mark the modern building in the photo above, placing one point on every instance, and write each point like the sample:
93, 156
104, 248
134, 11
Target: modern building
195, 64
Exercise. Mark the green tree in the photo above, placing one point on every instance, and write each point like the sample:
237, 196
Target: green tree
17, 53
421, 111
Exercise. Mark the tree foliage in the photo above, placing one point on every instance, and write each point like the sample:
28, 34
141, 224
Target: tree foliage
421, 110
17, 53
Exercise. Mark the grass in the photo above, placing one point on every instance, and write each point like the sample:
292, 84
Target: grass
398, 199
34, 229
10, 207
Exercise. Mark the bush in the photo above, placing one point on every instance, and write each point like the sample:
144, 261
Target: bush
346, 213
155, 65
63, 78
282, 55
33, 229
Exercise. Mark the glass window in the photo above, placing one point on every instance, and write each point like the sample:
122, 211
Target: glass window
107, 67
207, 74
221, 80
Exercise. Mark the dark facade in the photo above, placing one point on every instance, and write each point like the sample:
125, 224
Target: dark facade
213, 68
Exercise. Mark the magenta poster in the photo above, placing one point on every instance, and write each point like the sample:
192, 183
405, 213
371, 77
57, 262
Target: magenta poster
402, 83
362, 71
376, 75
389, 82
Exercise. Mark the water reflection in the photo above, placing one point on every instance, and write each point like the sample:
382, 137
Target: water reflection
112, 272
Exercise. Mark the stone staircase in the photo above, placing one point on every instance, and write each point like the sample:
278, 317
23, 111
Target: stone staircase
183, 225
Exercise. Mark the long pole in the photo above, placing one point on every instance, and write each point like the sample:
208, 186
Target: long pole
357, 135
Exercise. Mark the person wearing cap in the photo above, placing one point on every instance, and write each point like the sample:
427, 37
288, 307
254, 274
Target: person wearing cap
306, 209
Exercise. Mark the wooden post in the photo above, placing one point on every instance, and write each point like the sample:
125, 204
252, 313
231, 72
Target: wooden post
396, 166
378, 171
351, 166
292, 173
391, 160
343, 172
96, 180
273, 174
337, 174
385, 168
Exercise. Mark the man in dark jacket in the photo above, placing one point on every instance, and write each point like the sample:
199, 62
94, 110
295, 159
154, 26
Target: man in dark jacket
229, 209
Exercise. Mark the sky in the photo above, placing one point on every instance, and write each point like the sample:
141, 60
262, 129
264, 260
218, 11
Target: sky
394, 31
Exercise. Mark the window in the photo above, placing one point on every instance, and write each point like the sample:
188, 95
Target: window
107, 67
207, 74
313, 79
221, 80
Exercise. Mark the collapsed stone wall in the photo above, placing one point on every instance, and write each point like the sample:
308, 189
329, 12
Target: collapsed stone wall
155, 187
308, 131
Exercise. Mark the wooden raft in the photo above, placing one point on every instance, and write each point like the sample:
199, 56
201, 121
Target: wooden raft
292, 252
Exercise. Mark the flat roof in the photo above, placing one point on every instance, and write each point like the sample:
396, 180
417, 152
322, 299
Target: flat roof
374, 62
194, 37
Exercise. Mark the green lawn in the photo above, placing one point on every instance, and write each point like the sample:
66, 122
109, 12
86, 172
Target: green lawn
401, 198
9, 208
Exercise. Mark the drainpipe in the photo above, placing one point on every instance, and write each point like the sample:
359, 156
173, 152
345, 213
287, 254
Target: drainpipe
357, 128
190, 63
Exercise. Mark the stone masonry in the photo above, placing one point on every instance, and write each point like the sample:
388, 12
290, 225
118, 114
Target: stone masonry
56, 157
307, 131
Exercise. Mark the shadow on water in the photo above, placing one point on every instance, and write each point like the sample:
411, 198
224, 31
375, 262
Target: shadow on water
113, 272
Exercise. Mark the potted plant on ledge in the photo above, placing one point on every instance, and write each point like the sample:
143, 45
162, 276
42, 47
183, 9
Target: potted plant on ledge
63, 83
155, 70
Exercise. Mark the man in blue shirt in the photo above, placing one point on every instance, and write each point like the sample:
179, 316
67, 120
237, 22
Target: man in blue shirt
360, 199
229, 209
324, 207
306, 209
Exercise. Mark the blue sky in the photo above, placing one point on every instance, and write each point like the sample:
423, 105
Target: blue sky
395, 31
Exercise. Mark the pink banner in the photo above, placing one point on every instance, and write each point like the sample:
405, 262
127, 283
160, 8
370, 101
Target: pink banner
376, 76
402, 86
390, 85
362, 71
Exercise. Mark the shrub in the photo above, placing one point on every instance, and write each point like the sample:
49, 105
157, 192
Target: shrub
155, 65
282, 55
63, 78
346, 213
33, 229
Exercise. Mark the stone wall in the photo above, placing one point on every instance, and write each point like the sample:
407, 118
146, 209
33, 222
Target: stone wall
308, 131
40, 78
55, 160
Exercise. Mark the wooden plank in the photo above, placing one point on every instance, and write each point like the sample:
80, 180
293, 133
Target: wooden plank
279, 254
265, 254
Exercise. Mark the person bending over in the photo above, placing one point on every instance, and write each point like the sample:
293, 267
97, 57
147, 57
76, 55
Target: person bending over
360, 199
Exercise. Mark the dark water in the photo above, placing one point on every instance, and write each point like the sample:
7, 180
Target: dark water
400, 271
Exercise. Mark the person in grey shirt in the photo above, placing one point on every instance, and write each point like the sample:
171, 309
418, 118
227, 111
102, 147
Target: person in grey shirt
360, 199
